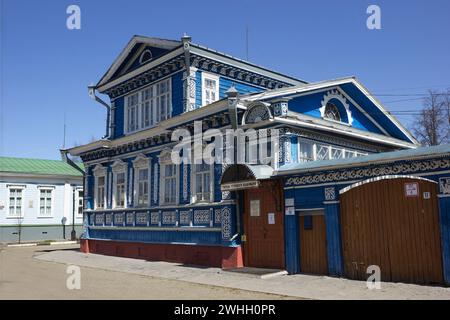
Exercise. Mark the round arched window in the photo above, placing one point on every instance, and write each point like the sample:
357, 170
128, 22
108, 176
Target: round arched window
145, 56
332, 112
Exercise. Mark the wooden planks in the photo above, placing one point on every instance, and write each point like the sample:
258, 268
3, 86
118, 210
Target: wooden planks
382, 226
265, 242
313, 246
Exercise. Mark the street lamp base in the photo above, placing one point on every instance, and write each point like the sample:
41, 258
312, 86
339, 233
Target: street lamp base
73, 235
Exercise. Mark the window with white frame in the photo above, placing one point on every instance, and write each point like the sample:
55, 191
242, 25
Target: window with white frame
79, 201
45, 201
100, 190
142, 183
120, 190
170, 183
119, 169
310, 151
148, 107
132, 112
202, 182
323, 152
99, 186
306, 151
210, 88
142, 187
15, 201
169, 179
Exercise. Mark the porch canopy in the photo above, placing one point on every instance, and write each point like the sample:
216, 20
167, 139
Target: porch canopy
244, 176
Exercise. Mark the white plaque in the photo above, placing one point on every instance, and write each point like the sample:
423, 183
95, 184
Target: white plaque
411, 189
271, 218
254, 208
289, 202
290, 211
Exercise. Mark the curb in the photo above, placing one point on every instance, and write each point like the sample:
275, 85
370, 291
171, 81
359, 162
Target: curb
42, 244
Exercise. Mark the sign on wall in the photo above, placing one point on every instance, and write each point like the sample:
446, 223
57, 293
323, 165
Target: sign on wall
289, 202
411, 189
271, 218
254, 208
290, 211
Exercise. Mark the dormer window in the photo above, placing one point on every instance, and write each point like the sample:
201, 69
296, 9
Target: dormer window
145, 56
332, 112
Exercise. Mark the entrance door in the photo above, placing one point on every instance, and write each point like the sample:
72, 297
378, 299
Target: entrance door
313, 244
392, 223
263, 226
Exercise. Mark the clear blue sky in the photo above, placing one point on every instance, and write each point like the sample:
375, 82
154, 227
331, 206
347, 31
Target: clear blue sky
46, 67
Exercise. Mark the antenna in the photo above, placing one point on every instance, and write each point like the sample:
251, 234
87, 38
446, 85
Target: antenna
64, 132
246, 41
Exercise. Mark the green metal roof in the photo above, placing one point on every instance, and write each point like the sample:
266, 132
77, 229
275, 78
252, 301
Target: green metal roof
38, 166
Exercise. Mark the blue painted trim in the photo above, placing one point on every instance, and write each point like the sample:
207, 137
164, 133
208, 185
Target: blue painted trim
444, 218
334, 240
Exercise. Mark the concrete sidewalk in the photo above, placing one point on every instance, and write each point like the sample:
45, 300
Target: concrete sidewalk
301, 286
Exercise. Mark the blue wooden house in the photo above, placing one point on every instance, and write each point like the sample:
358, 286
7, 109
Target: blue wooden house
334, 140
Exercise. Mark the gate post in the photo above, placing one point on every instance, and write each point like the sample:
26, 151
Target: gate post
444, 219
334, 244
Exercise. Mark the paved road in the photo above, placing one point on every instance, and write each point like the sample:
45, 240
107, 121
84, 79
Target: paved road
299, 285
24, 277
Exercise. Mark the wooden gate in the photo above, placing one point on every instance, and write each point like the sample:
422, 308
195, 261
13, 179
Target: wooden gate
313, 244
392, 223
263, 226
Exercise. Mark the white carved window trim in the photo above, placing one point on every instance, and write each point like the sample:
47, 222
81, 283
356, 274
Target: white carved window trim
141, 162
165, 160
119, 167
336, 94
209, 77
21, 214
99, 172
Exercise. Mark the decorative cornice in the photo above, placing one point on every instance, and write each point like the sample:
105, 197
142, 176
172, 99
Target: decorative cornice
396, 168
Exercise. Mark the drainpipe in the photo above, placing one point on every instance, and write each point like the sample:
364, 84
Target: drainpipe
186, 40
91, 90
232, 95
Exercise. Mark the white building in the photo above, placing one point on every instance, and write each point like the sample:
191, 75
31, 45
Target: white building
37, 197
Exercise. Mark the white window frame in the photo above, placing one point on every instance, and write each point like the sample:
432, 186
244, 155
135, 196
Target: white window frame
154, 105
52, 201
194, 198
119, 167
141, 162
22, 207
330, 148
212, 77
77, 201
100, 171
164, 160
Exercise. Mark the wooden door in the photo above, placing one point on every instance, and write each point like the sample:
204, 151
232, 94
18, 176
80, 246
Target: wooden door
263, 226
392, 223
313, 244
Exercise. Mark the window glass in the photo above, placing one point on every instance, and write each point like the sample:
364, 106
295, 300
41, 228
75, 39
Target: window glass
45, 202
15, 202
142, 187
306, 151
100, 192
120, 190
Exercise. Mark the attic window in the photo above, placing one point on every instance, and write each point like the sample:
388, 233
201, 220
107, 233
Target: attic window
145, 56
332, 112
